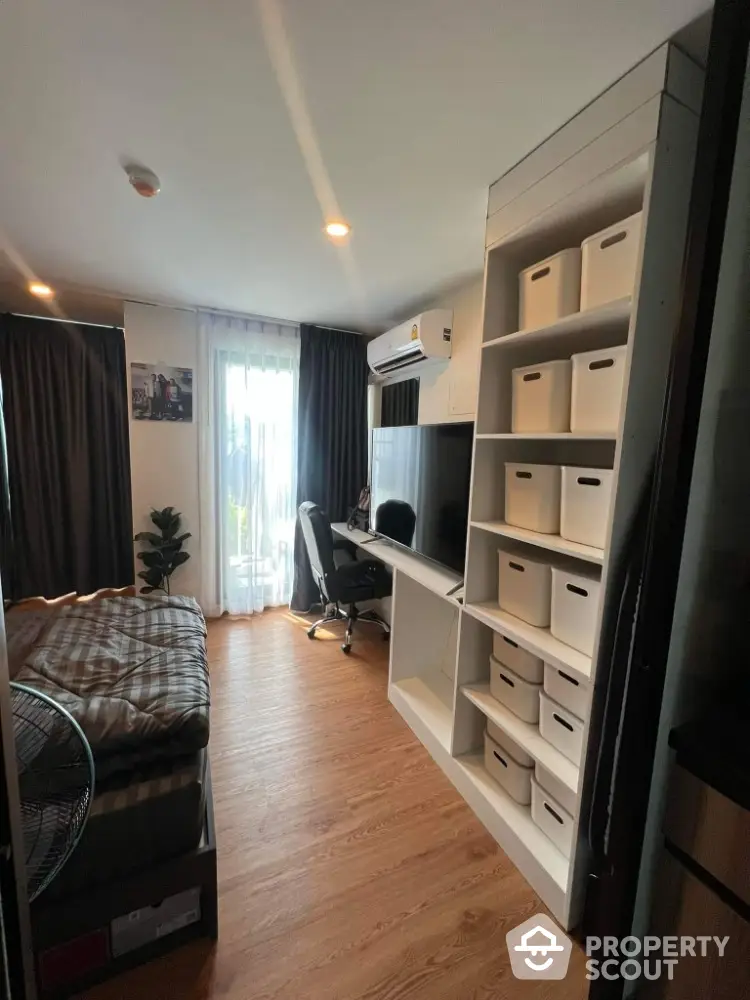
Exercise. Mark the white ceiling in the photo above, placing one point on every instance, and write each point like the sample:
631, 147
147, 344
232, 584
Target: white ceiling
415, 106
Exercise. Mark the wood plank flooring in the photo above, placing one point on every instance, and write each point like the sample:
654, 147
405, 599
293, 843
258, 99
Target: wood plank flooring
349, 868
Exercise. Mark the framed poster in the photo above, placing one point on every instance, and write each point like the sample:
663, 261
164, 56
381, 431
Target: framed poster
161, 392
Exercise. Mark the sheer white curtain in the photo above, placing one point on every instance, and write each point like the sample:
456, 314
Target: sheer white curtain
248, 462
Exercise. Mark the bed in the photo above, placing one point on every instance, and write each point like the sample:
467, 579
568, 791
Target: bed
133, 673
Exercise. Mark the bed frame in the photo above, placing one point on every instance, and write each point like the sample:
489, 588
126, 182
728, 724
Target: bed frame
72, 937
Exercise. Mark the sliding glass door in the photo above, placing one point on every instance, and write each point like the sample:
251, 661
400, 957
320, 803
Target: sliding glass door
253, 383
257, 480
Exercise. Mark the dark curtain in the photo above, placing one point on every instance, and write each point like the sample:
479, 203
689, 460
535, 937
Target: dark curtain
399, 404
332, 436
6, 528
66, 425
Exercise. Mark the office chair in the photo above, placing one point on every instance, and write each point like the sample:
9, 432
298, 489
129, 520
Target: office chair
396, 519
342, 581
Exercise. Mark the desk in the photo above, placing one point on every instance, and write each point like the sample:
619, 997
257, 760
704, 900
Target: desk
355, 535
436, 578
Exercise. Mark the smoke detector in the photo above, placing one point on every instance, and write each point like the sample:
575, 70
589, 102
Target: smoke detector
145, 181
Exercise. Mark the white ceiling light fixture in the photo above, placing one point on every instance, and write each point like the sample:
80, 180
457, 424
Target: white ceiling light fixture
41, 290
143, 180
338, 230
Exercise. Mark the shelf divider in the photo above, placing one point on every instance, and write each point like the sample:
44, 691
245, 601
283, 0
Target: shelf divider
608, 315
553, 543
549, 436
539, 641
525, 735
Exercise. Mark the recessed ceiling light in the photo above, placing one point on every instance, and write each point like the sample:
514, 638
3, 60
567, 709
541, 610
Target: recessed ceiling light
41, 290
338, 230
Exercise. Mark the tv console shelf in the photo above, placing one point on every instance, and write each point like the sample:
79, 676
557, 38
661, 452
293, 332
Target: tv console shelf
630, 150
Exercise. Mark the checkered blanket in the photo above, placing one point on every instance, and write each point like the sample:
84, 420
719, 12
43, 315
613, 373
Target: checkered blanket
132, 671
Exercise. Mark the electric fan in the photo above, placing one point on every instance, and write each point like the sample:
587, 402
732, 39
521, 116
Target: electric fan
55, 782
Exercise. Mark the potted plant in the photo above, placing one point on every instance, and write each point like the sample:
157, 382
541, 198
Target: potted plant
165, 554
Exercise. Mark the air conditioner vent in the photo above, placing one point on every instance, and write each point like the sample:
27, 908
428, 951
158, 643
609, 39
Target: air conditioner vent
390, 365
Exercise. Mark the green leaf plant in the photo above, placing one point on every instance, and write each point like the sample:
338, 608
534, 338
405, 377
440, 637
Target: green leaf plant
165, 554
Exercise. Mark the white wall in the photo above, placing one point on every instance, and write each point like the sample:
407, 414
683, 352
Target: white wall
164, 455
449, 392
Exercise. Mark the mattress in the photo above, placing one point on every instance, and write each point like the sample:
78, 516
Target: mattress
132, 671
134, 824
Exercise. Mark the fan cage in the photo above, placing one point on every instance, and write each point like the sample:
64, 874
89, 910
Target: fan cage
55, 802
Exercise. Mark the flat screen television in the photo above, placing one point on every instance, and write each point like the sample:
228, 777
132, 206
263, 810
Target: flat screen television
428, 470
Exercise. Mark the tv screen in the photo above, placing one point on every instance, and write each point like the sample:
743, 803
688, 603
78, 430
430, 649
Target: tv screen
420, 488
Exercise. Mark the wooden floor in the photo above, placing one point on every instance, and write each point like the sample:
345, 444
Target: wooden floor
349, 868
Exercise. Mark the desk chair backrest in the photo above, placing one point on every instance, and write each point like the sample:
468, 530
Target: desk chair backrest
316, 530
396, 519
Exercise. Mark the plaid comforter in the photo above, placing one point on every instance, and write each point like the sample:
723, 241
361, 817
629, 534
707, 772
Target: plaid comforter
132, 671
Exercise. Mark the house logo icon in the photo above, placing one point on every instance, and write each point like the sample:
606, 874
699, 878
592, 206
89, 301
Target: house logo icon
538, 949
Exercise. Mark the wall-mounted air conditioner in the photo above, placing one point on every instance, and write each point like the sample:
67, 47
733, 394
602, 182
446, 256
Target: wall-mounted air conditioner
410, 346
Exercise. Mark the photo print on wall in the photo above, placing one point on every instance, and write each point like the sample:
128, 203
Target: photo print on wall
161, 392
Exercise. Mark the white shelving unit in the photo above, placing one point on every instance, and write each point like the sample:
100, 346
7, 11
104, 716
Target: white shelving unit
632, 149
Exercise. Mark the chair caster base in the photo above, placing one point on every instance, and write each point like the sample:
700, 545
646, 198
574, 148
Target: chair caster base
311, 633
346, 648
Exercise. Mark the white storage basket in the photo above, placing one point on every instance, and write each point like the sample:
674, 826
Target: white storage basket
541, 398
550, 289
520, 697
584, 511
552, 785
520, 660
571, 692
561, 728
525, 588
510, 746
552, 819
532, 497
516, 780
608, 262
575, 606
598, 382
